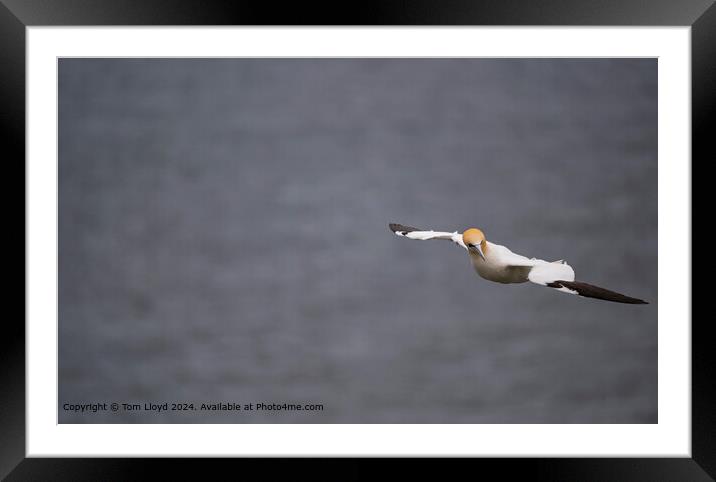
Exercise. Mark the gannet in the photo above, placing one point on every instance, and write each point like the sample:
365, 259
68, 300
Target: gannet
497, 263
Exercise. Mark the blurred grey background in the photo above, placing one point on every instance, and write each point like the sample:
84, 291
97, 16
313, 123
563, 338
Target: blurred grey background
223, 237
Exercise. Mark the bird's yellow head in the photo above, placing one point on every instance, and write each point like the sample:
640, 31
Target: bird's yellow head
475, 241
473, 236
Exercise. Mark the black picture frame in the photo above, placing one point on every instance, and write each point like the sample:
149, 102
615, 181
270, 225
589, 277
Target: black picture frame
16, 15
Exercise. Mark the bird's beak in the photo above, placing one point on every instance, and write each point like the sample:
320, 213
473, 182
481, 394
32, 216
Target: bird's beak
479, 250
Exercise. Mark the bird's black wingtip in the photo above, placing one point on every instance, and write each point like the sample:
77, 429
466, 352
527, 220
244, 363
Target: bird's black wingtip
591, 291
632, 301
401, 229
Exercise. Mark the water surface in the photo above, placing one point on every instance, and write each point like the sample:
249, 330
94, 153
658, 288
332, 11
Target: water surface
223, 237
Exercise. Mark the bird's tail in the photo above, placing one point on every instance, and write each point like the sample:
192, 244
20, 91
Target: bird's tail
591, 291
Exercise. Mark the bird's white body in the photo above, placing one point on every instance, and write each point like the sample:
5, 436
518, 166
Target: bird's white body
496, 267
497, 263
503, 266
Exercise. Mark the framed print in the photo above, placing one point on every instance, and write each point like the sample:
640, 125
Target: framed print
421, 231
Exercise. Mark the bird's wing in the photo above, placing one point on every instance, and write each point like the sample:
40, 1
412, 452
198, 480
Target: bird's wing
540, 271
544, 272
591, 291
560, 276
422, 234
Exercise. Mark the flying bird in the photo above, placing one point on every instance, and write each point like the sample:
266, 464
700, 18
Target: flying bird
497, 263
